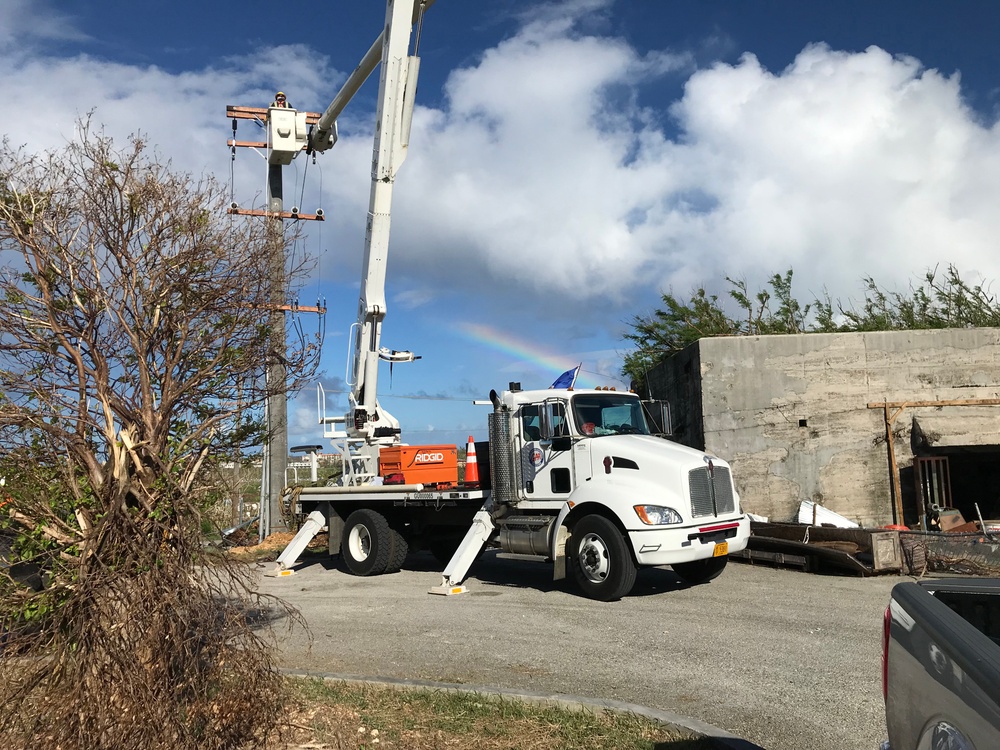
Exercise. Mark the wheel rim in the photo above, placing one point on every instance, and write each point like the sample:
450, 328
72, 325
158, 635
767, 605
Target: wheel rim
360, 543
594, 559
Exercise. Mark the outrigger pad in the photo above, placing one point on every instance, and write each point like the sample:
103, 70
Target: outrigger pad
278, 571
445, 589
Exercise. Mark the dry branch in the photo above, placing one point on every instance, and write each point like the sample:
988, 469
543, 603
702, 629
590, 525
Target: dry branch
131, 348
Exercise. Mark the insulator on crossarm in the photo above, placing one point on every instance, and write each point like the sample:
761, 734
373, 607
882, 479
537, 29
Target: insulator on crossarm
319, 212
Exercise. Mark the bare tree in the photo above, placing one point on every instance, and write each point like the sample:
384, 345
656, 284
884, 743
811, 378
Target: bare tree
135, 319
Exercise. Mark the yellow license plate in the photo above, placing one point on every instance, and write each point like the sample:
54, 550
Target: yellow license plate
722, 548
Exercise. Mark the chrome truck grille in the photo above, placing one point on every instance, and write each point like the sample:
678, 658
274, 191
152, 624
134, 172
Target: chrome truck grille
711, 491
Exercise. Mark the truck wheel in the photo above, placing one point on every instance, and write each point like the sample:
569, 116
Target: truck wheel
701, 571
601, 560
367, 543
399, 548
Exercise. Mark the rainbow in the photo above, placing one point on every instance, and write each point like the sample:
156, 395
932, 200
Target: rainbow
521, 350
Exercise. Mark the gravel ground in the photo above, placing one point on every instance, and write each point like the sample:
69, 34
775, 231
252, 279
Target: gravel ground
785, 659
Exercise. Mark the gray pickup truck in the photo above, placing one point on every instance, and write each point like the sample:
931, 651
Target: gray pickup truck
941, 665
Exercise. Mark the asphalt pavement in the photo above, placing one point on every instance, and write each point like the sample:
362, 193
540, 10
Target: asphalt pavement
785, 659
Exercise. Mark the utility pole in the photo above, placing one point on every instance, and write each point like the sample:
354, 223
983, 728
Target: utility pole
283, 144
277, 377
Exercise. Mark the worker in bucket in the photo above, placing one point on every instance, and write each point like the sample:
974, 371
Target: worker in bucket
280, 100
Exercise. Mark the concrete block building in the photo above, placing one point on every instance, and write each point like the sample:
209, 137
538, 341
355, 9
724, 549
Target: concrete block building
873, 426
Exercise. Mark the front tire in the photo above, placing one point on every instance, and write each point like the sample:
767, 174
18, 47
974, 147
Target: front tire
701, 571
601, 560
366, 544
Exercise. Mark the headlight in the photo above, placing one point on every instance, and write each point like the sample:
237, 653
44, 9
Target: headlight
657, 515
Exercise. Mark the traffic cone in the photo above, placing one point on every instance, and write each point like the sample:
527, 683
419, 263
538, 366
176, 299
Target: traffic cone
471, 465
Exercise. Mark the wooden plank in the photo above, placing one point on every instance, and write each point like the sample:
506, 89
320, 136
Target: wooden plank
881, 544
946, 402
798, 532
289, 308
301, 308
275, 214
260, 113
897, 494
252, 144
839, 559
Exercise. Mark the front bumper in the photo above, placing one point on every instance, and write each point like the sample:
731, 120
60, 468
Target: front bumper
676, 544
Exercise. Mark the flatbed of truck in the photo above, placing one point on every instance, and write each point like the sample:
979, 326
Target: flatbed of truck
392, 494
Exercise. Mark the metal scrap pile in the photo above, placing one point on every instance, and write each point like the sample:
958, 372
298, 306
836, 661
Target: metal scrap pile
964, 553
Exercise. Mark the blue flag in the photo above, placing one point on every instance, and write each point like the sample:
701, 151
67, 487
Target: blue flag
568, 378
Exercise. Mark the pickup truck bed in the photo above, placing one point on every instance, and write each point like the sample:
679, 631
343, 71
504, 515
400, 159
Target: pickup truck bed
942, 665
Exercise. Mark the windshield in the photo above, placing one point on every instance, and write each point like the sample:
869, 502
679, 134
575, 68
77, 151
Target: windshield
608, 414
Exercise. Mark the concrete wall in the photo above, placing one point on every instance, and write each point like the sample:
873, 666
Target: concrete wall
791, 412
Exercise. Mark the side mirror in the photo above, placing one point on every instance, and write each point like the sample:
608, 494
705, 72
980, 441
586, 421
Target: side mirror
545, 422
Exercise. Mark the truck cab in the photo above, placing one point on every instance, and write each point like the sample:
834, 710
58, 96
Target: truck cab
586, 459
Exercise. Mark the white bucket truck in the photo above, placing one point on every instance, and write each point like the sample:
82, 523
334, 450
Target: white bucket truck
576, 477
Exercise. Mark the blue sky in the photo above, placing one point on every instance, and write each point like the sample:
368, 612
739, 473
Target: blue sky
569, 162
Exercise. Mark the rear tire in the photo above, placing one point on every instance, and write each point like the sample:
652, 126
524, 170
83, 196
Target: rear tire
601, 560
399, 548
701, 571
366, 545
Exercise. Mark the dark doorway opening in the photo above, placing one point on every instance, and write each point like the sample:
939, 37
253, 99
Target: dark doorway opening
971, 473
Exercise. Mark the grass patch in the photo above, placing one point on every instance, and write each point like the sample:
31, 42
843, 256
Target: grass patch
365, 717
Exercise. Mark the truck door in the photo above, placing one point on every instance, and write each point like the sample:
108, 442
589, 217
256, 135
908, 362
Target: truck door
546, 474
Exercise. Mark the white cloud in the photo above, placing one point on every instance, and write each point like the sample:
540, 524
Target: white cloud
841, 166
549, 167
413, 298
183, 114
26, 22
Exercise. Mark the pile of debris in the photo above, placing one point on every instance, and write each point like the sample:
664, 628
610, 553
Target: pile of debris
823, 541
953, 545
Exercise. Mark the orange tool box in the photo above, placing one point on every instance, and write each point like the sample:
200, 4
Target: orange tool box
421, 464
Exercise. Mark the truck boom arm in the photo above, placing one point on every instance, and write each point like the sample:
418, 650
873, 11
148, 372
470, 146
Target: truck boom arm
323, 135
397, 86
397, 90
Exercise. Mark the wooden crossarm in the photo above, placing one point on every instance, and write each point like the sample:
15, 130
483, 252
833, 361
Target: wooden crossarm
275, 214
260, 113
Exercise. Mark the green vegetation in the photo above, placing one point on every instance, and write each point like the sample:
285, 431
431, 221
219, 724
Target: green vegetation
937, 302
